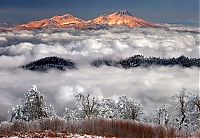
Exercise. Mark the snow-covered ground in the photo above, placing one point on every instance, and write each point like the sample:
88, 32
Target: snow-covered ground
83, 136
67, 136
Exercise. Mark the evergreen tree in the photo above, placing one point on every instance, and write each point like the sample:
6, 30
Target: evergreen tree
32, 107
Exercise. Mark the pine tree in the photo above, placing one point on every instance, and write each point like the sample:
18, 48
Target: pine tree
32, 107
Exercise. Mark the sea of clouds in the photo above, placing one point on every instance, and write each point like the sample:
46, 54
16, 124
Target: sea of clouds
149, 86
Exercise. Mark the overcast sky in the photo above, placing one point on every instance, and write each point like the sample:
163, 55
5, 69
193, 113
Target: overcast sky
20, 11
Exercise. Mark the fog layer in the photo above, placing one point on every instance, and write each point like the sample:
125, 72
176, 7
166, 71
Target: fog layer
149, 86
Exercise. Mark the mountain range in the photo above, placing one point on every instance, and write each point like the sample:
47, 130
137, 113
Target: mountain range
120, 18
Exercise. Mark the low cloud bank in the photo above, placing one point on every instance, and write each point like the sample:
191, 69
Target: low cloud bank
112, 43
149, 86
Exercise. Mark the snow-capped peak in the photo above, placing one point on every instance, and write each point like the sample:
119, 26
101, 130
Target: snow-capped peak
123, 13
66, 15
63, 17
120, 18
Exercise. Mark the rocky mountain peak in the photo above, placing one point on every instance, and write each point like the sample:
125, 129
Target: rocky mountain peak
123, 13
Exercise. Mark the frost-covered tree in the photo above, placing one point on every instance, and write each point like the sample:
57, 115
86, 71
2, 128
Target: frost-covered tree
128, 108
108, 108
68, 114
121, 108
161, 116
71, 115
193, 112
87, 105
32, 107
179, 110
184, 112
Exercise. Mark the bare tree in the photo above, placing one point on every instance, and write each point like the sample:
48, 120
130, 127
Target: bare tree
193, 112
108, 108
178, 109
128, 109
87, 104
184, 112
161, 117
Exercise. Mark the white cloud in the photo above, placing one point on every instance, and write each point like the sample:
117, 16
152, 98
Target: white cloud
112, 42
20, 49
11, 62
65, 94
149, 86
3, 40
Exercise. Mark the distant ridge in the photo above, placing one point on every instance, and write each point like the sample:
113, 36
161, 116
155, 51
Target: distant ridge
141, 61
49, 63
120, 18
64, 21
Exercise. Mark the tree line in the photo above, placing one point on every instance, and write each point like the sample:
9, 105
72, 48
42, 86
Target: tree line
141, 61
47, 63
182, 113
